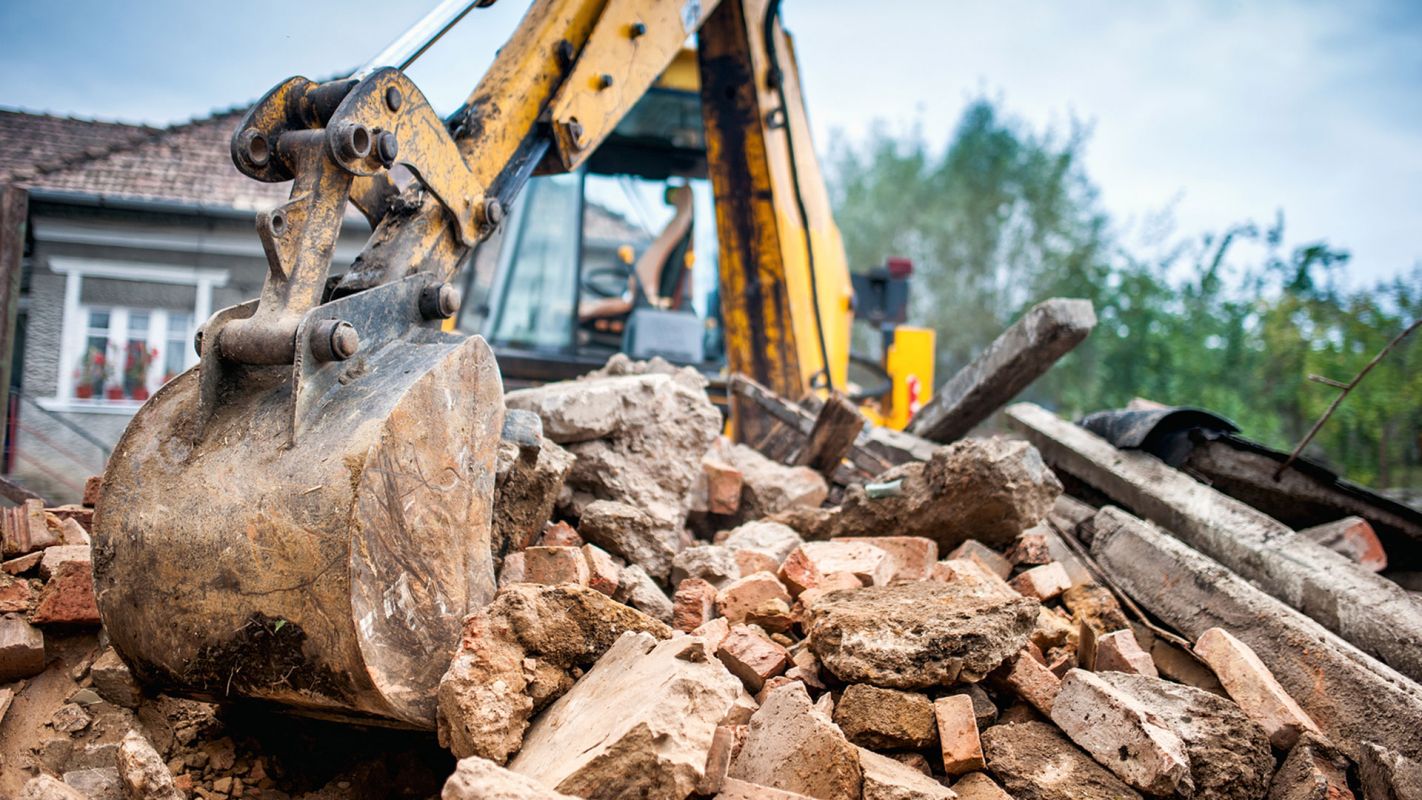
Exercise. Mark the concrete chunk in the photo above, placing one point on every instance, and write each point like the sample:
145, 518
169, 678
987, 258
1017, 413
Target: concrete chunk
21, 649
788, 747
45, 787
917, 635
1253, 687
554, 565
1122, 735
988, 558
640, 723
773, 538
715, 564
637, 589
888, 779
477, 778
142, 770
978, 786
629, 534
768, 486
1035, 761
986, 489
1351, 696
733, 789
1314, 770
885, 719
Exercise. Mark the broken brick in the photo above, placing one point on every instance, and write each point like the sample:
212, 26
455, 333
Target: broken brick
1030, 549
560, 534
723, 486
750, 561
513, 569
1251, 685
93, 487
1353, 538
16, 595
870, 564
68, 597
888, 778
1122, 734
799, 573
752, 657
714, 631
555, 565
1119, 651
693, 603
603, 573
911, 557
744, 594
988, 558
773, 615
1044, 582
958, 734
1030, 680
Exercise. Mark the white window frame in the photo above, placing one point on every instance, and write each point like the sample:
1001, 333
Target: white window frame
75, 324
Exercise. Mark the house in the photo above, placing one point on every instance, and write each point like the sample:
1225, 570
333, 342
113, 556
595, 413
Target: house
132, 237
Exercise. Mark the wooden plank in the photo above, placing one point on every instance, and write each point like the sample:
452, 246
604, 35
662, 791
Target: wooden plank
1048, 331
1368, 610
1352, 696
832, 435
798, 424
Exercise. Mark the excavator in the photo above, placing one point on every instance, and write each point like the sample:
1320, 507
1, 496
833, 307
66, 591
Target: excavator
303, 519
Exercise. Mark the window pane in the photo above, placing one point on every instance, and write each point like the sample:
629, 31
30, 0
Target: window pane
98, 319
537, 308
93, 367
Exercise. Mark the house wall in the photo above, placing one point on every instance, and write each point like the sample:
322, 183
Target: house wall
58, 441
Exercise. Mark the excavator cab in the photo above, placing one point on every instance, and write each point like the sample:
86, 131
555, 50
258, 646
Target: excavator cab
620, 256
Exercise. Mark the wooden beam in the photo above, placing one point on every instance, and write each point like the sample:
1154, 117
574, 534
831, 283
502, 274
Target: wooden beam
1375, 614
1048, 331
1353, 697
832, 435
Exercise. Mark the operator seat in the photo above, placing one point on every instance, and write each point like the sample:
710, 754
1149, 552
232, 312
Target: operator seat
657, 274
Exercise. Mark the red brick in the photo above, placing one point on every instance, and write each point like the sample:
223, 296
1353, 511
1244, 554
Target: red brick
23, 564
555, 565
1030, 680
93, 485
512, 570
980, 580
693, 603
1119, 651
752, 657
958, 734
718, 759
723, 486
1044, 582
1354, 539
560, 534
1253, 687
1030, 549
16, 596
771, 684
912, 557
799, 573
750, 561
870, 564
743, 594
773, 615
988, 558
603, 573
68, 597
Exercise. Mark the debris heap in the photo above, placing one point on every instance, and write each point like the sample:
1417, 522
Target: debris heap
680, 616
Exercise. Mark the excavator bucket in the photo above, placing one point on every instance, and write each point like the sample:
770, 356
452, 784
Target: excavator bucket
328, 571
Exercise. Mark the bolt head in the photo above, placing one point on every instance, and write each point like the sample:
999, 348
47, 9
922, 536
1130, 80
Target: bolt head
393, 98
256, 147
493, 210
604, 81
637, 29
387, 147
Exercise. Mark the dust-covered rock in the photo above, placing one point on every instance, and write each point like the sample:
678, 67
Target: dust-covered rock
631, 535
1035, 761
985, 489
142, 771
789, 747
477, 778
917, 635
640, 723
525, 491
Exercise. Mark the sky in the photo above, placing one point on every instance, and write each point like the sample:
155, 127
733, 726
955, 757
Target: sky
1216, 112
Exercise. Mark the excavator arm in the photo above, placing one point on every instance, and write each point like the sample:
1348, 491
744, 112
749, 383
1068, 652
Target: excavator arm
306, 517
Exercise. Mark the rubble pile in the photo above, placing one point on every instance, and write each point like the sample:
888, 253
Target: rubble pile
679, 616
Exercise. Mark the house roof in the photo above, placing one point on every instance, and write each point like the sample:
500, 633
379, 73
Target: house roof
186, 163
